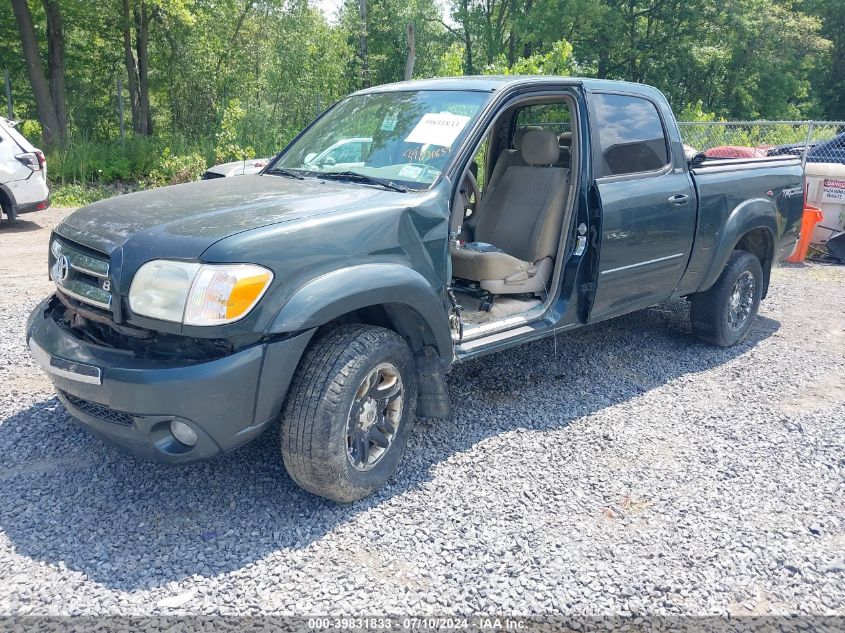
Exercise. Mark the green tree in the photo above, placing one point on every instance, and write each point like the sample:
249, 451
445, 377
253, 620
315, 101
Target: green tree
828, 76
221, 78
387, 39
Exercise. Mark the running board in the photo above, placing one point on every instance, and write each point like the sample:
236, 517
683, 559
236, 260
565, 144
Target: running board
503, 340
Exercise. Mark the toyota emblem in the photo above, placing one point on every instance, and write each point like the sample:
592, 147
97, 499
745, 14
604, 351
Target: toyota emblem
62, 268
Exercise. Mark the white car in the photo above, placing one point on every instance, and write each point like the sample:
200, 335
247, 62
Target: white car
23, 173
348, 151
236, 168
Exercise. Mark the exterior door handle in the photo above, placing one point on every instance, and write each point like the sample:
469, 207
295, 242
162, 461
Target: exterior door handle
679, 200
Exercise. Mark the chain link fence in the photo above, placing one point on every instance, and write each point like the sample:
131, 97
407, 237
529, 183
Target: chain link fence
813, 141
819, 144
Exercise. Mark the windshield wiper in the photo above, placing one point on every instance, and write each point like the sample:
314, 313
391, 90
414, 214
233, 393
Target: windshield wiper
354, 175
285, 172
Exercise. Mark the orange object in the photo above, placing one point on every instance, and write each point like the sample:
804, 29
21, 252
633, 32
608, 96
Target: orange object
812, 216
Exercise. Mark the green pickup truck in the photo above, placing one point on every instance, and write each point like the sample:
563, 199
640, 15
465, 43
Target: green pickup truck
484, 212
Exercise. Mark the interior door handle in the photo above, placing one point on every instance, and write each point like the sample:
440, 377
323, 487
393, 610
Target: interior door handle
679, 199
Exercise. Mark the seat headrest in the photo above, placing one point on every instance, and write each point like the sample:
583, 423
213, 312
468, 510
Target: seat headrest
539, 147
520, 133
565, 139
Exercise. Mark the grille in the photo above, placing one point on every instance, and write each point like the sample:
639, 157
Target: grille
80, 275
99, 411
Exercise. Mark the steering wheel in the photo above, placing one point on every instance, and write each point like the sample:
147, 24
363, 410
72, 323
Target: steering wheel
472, 184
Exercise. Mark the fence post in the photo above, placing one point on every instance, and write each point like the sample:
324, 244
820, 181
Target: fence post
319, 105
120, 108
806, 143
8, 83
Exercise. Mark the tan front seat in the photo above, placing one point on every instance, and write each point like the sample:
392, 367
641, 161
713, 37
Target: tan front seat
519, 222
512, 157
565, 143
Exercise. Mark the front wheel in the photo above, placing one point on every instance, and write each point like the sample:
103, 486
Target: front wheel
349, 412
723, 315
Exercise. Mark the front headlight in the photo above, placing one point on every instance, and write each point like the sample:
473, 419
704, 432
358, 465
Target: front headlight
197, 294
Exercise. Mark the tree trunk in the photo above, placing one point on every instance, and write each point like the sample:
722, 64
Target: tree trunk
511, 49
233, 40
131, 68
465, 24
50, 130
489, 49
362, 44
632, 41
142, 23
604, 61
56, 64
526, 49
412, 52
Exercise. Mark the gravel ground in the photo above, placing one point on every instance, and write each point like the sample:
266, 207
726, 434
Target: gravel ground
622, 469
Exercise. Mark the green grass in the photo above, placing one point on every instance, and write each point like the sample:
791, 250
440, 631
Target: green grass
76, 195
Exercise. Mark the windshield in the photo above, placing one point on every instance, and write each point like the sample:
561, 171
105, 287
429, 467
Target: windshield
404, 138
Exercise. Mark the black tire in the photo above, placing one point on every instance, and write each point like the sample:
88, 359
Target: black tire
318, 451
6, 208
712, 312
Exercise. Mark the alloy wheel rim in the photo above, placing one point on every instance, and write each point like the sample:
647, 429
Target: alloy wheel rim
741, 300
374, 416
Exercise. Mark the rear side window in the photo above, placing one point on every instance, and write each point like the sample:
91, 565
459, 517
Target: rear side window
552, 116
631, 134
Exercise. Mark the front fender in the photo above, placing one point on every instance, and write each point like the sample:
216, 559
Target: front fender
342, 291
751, 214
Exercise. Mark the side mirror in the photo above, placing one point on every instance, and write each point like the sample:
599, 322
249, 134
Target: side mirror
328, 160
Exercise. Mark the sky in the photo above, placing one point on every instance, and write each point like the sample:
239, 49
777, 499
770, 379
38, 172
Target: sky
330, 9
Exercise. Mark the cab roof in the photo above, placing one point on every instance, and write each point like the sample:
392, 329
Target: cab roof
492, 83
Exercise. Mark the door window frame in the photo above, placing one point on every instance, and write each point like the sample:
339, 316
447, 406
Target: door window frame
484, 126
567, 92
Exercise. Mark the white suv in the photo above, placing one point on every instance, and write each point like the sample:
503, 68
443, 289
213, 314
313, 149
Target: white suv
23, 173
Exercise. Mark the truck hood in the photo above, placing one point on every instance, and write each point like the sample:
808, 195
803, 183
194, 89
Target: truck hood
182, 221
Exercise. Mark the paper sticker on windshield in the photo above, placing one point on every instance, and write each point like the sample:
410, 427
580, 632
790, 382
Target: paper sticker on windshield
389, 123
438, 128
410, 172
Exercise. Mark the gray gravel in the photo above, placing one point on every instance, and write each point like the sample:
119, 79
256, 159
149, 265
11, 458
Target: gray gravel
621, 469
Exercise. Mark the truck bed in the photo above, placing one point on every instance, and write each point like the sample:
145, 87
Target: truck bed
724, 185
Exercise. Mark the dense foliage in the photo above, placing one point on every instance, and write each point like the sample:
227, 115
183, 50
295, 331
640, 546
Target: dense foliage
205, 81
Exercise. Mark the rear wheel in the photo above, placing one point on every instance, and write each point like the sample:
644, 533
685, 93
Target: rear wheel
723, 315
349, 412
6, 208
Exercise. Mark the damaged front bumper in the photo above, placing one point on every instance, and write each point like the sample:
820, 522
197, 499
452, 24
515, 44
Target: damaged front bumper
132, 400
